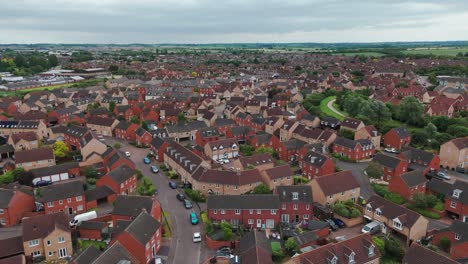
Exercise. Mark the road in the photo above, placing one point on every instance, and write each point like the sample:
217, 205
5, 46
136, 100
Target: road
182, 249
358, 173
330, 105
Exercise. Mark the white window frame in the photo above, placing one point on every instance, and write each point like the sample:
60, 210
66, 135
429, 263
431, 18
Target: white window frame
33, 243
457, 236
237, 211
61, 239
273, 211
79, 198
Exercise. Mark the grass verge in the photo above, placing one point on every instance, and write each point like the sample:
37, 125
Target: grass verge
327, 111
167, 225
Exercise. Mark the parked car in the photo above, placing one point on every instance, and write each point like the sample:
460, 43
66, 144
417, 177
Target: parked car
390, 150
193, 218
443, 176
146, 160
127, 154
332, 225
154, 169
372, 227
196, 237
43, 183
226, 161
180, 197
173, 185
225, 250
157, 261
77, 219
338, 222
100, 138
220, 161
187, 204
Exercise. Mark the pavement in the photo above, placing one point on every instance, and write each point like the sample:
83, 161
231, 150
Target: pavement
181, 247
330, 105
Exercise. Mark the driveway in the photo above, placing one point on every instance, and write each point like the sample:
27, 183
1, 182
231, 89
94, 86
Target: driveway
358, 173
182, 249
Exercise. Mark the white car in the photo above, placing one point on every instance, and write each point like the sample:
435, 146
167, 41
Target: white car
226, 161
390, 150
127, 154
196, 237
443, 176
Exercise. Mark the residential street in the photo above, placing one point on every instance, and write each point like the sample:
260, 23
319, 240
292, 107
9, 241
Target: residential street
182, 249
358, 173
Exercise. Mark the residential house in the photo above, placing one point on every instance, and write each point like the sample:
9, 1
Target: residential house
280, 175
336, 187
371, 133
418, 254
14, 126
122, 180
14, 203
114, 158
240, 133
408, 184
250, 211
353, 149
143, 137
210, 181
206, 135
315, 164
47, 236
35, 158
330, 122
128, 207
24, 141
397, 138
102, 125
255, 248
296, 203
260, 161
396, 218
419, 159
72, 136
392, 166
65, 197
457, 233
351, 124
359, 249
454, 154
158, 146
92, 149
126, 130
182, 160
222, 149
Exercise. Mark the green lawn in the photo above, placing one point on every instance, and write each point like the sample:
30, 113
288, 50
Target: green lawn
442, 51
275, 246
327, 111
167, 224
367, 54
83, 244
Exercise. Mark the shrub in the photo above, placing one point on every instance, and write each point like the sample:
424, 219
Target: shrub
380, 244
261, 189
300, 180
394, 249
91, 181
139, 174
424, 201
277, 256
346, 209
445, 243
374, 170
439, 206
163, 167
424, 212
355, 213
394, 197
117, 145
146, 187
227, 231
381, 190
196, 196
291, 246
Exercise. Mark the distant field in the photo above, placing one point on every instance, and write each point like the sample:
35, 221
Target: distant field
368, 54
437, 51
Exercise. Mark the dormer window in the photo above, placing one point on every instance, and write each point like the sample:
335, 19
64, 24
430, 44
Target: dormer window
351, 258
214, 148
378, 212
457, 236
369, 208
370, 251
456, 193
333, 260
295, 196
397, 224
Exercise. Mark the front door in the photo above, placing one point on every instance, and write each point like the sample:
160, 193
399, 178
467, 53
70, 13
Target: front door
70, 210
296, 219
259, 223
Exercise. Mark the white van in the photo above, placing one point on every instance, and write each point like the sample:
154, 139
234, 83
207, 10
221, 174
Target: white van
372, 227
82, 217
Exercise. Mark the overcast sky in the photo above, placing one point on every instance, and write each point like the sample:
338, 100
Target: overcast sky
228, 21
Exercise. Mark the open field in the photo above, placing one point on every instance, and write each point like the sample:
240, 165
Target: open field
443, 51
368, 54
327, 111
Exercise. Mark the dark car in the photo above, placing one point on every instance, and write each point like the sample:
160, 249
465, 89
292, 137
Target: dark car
187, 204
224, 250
173, 185
332, 225
180, 197
338, 222
43, 183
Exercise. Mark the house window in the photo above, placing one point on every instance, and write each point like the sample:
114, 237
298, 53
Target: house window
236, 187
1, 211
251, 221
457, 236
453, 204
68, 200
33, 243
238, 211
307, 206
259, 211
295, 206
215, 211
273, 211
79, 208
2, 221
330, 196
50, 253
306, 216
217, 185
60, 201
50, 204
49, 242
36, 253
397, 224
251, 211
295, 196
78, 198
283, 206
61, 239
378, 212
222, 211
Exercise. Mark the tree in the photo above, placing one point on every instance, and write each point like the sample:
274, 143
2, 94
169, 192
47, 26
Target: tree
60, 149
431, 130
374, 170
113, 69
346, 133
268, 150
246, 150
146, 187
291, 246
394, 249
411, 111
53, 61
419, 138
117, 145
261, 189
423, 201
181, 117
90, 172
135, 120
111, 106
380, 244
445, 243
227, 231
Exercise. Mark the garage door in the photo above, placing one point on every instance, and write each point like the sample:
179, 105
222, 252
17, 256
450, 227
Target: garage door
55, 177
64, 176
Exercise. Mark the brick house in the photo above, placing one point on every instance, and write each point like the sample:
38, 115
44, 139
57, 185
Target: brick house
35, 158
224, 124
454, 154
126, 131
455, 197
211, 181
113, 158
255, 248
48, 236
369, 132
72, 136
392, 166
396, 218
102, 125
260, 161
206, 135
13, 204
240, 133
280, 175
296, 203
14, 126
408, 184
63, 197
221, 149
353, 149
158, 146
457, 233
24, 141
417, 253
92, 230
351, 124
250, 211
315, 164
182, 160
143, 137
397, 138
142, 237
122, 180
128, 207
359, 249
339, 186
419, 159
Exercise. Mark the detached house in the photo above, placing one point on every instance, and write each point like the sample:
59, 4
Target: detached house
143, 137
397, 138
13, 204
251, 211
351, 124
353, 149
408, 184
339, 186
47, 236
396, 218
296, 203
369, 132
122, 180
24, 141
454, 154
315, 164
392, 166
126, 131
63, 197
455, 197
35, 158
102, 125
419, 159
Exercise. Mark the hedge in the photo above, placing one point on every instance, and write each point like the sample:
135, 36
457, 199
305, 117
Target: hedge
423, 212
